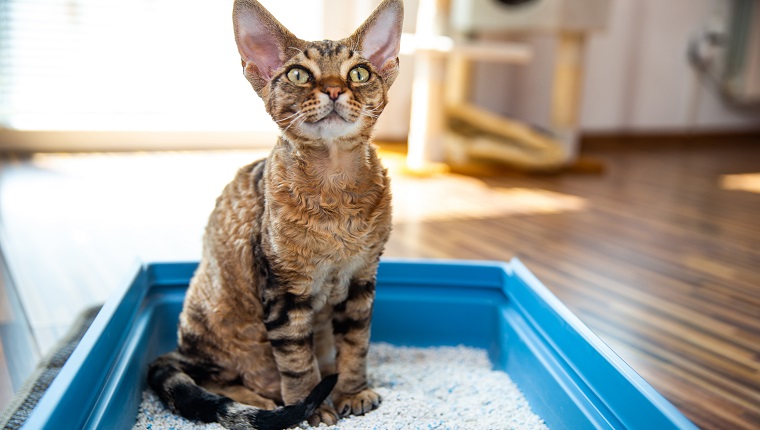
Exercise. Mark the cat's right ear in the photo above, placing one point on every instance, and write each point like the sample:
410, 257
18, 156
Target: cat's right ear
264, 44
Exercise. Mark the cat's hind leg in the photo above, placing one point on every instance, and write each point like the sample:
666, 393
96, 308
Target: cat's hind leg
168, 377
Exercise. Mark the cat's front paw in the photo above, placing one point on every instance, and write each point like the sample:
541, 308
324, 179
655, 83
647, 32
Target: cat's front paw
357, 404
324, 414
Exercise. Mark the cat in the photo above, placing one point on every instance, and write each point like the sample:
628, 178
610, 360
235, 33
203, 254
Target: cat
284, 291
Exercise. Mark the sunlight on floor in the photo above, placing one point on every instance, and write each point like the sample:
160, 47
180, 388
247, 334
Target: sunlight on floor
185, 185
459, 197
744, 182
453, 196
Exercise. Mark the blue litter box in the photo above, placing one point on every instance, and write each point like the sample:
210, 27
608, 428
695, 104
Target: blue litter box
571, 379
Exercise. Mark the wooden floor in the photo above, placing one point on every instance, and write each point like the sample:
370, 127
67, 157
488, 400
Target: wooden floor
659, 254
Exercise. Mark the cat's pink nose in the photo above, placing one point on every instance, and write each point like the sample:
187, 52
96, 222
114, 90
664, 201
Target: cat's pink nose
333, 91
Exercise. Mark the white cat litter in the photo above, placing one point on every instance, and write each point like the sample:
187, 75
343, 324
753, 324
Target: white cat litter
422, 388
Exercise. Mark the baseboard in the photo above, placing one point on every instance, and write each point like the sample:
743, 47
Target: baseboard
626, 140
22, 141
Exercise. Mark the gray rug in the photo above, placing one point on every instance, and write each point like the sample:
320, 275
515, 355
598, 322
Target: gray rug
15, 415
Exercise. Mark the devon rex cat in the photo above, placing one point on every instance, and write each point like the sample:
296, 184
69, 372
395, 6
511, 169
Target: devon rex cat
284, 292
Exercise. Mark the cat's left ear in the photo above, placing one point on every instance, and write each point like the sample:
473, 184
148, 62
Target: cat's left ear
379, 38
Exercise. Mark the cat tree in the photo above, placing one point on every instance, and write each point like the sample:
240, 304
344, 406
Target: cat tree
446, 126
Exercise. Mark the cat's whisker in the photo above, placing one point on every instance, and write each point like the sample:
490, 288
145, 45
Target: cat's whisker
369, 113
294, 121
288, 117
375, 108
301, 117
288, 127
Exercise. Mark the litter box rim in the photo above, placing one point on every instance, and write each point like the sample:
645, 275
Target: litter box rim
570, 377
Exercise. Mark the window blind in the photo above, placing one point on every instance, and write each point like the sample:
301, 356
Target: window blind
138, 65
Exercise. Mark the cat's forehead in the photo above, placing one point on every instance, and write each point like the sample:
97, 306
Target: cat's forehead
327, 57
329, 49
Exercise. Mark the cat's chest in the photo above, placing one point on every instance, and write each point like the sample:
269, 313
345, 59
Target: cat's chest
331, 281
342, 212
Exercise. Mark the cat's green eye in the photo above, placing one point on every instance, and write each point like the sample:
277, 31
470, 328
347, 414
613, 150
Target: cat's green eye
359, 74
298, 75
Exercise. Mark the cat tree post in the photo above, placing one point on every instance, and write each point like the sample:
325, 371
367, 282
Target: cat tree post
567, 88
477, 133
427, 122
435, 81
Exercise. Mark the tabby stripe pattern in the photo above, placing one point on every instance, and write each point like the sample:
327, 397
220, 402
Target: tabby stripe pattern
167, 377
351, 326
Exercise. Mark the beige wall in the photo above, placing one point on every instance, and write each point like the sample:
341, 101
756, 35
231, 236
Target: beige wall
637, 78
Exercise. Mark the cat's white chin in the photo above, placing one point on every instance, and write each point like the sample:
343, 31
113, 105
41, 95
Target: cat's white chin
333, 117
332, 126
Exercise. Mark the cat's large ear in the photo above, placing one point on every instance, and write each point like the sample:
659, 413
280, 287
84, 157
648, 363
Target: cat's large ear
264, 44
379, 38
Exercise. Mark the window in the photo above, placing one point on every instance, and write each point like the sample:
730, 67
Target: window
132, 66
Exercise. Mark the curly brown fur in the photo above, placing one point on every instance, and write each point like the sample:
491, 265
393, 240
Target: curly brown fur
284, 291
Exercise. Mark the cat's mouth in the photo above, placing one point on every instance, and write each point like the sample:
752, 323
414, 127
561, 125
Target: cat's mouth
332, 117
329, 120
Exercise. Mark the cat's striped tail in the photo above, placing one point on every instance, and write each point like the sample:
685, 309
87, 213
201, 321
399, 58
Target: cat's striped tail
180, 393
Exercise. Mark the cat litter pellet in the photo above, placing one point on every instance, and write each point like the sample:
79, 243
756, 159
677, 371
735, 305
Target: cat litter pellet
422, 388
